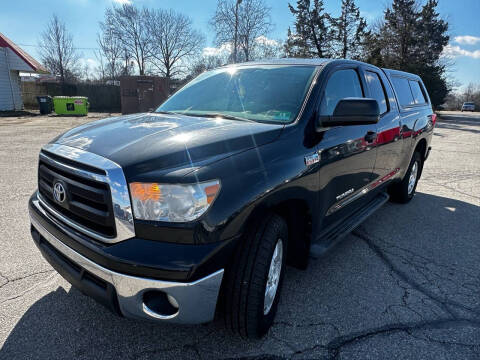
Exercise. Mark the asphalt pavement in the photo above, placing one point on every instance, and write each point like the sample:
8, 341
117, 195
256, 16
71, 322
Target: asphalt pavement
404, 285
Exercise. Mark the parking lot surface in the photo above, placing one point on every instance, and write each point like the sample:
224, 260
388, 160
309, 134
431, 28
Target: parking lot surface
404, 285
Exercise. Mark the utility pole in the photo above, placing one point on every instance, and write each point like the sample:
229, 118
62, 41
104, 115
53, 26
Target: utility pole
235, 42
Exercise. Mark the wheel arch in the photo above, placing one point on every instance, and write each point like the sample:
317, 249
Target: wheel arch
298, 214
421, 147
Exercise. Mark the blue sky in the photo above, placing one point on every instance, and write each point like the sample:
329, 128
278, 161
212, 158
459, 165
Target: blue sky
22, 21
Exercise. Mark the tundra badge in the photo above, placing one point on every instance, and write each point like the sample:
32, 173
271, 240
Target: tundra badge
346, 193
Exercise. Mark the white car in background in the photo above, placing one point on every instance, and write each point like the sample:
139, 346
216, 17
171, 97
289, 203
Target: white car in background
468, 106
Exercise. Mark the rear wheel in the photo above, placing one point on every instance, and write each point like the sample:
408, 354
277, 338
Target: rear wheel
404, 191
253, 282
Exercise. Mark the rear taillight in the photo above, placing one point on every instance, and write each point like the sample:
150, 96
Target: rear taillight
434, 118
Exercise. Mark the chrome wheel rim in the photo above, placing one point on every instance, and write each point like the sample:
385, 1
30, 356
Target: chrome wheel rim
413, 177
273, 277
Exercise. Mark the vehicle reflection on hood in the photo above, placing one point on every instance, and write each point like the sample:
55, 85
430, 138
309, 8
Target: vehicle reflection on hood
153, 141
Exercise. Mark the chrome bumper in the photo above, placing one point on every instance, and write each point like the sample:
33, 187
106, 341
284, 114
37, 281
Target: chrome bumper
196, 300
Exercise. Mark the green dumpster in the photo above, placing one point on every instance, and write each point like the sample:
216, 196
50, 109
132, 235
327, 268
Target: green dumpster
70, 105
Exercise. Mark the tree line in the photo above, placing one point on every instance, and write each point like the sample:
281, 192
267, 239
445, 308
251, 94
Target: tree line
410, 37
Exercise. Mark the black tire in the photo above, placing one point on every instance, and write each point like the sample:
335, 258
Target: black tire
246, 279
399, 192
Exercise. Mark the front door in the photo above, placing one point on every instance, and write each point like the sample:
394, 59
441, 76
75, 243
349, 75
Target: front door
347, 153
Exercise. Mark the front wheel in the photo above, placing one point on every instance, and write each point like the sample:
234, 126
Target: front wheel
404, 191
253, 282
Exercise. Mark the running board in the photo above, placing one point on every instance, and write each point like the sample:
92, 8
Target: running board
334, 233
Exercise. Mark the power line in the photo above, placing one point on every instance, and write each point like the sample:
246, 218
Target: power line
76, 48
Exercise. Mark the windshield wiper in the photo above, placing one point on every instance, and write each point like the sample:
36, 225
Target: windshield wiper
219, 115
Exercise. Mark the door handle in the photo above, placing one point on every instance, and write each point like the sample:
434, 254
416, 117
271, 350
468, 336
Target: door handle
370, 136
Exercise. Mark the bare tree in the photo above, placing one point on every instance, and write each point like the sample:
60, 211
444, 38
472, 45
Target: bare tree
128, 26
57, 51
86, 72
240, 22
174, 40
266, 48
111, 48
127, 63
101, 69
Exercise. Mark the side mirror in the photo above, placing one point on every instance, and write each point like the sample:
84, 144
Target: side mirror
351, 111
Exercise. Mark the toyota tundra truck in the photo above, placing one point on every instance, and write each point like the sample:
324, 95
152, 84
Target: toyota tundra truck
192, 211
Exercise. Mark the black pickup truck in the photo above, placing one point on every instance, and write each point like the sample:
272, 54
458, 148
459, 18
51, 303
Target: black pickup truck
195, 209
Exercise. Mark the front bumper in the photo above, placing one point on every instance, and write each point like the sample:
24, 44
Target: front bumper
127, 294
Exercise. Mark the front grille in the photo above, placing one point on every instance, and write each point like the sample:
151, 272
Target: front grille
88, 202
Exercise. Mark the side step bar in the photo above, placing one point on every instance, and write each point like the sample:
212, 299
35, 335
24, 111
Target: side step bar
334, 233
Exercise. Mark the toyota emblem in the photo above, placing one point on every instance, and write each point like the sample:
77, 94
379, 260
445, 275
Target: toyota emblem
59, 192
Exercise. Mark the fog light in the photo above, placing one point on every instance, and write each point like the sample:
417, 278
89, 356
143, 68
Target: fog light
159, 304
172, 301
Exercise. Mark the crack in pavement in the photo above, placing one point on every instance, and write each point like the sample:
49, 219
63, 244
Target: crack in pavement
448, 306
43, 283
454, 190
336, 344
9, 281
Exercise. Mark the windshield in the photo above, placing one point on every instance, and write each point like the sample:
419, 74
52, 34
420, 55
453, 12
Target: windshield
468, 103
260, 93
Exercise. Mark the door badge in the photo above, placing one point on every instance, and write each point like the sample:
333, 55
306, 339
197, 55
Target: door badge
312, 159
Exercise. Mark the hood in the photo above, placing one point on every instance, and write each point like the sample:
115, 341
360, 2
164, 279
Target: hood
165, 143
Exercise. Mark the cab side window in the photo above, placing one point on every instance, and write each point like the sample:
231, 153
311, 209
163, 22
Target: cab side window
342, 84
417, 92
377, 90
404, 93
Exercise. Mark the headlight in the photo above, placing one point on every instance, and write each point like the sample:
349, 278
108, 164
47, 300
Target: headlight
172, 202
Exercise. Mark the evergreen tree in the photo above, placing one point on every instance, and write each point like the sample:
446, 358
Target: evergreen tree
433, 37
350, 31
399, 34
411, 39
433, 33
372, 49
312, 37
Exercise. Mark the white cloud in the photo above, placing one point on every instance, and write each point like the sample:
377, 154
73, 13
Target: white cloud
88, 61
223, 49
227, 48
121, 2
263, 40
453, 51
467, 39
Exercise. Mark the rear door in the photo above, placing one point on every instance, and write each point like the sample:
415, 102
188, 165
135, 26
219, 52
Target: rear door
348, 152
415, 111
389, 144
